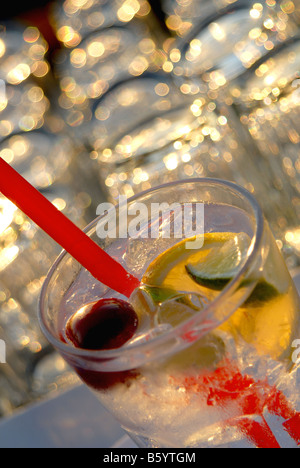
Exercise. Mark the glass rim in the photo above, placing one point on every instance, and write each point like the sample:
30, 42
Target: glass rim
69, 349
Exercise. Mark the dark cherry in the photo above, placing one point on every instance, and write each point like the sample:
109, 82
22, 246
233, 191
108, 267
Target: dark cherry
106, 380
108, 324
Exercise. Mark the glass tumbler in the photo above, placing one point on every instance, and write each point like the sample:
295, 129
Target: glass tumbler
48, 161
214, 369
73, 21
265, 104
22, 53
146, 131
219, 46
101, 60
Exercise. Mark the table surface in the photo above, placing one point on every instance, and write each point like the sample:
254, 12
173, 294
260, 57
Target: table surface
72, 419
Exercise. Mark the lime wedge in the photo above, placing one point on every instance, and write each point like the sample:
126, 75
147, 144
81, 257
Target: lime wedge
216, 284
222, 263
159, 294
263, 292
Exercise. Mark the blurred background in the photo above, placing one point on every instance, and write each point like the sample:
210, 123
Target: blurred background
106, 97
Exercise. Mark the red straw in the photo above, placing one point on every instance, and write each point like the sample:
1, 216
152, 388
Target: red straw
31, 202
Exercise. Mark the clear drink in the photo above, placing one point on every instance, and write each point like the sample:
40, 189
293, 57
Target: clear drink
207, 358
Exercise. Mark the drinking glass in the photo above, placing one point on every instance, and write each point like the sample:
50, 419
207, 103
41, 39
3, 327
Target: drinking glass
265, 104
22, 108
222, 371
146, 131
222, 44
22, 53
182, 17
73, 20
101, 60
48, 161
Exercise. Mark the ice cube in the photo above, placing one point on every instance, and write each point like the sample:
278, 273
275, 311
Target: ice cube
148, 335
180, 308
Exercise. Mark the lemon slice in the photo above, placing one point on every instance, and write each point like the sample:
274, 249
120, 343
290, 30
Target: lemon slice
179, 274
207, 270
213, 265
